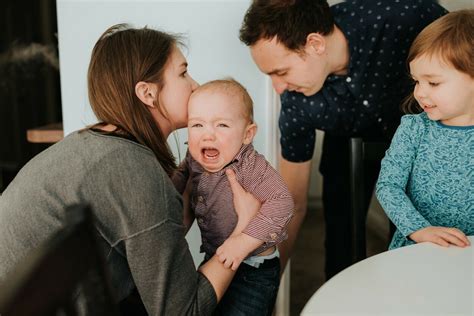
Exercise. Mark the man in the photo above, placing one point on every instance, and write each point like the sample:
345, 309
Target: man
340, 69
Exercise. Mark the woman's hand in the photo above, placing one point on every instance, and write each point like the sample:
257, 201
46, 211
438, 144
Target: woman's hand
245, 204
443, 236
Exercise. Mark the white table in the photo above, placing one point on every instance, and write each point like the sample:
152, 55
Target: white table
422, 279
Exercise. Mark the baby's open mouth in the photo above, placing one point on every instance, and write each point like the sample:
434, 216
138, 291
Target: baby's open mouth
210, 153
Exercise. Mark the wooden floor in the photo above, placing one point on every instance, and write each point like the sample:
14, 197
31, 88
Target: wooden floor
307, 263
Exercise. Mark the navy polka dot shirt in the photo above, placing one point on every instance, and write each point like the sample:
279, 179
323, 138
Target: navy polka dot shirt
379, 34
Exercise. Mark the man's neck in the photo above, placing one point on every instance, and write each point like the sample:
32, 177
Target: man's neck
338, 52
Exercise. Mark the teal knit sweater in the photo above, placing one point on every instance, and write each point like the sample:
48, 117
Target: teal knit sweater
427, 178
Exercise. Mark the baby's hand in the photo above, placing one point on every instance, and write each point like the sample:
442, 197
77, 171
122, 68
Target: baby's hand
234, 250
443, 236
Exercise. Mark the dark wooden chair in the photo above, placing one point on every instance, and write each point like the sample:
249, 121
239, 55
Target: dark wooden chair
66, 275
364, 154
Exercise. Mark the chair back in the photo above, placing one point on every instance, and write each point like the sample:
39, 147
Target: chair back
66, 275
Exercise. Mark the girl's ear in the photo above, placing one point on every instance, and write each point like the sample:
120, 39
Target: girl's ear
250, 132
146, 92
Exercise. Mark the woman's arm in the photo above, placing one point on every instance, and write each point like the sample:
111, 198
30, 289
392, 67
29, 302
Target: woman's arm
182, 182
160, 262
157, 252
188, 214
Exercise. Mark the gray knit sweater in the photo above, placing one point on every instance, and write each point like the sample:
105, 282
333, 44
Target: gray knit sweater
137, 210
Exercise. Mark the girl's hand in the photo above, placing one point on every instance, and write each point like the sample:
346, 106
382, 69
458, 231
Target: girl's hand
245, 204
443, 236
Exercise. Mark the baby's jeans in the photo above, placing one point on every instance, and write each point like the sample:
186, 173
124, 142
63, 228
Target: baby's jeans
253, 290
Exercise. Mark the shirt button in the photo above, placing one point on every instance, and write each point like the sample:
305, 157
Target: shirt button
365, 102
200, 198
273, 236
348, 79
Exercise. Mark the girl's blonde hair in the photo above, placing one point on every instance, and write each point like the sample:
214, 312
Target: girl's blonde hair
450, 38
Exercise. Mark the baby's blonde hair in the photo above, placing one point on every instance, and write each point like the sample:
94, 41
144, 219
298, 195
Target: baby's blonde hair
231, 87
450, 38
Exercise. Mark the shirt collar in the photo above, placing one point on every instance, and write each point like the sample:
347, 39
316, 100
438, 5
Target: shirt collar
243, 150
238, 159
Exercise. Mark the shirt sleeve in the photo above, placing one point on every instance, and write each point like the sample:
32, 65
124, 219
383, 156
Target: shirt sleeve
165, 275
142, 219
264, 182
394, 175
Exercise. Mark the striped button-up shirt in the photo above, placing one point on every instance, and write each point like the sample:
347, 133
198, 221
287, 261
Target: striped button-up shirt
212, 203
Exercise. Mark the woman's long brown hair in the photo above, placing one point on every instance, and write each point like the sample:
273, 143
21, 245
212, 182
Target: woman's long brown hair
121, 58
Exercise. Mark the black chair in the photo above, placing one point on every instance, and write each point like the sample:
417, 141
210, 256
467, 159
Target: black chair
66, 275
364, 155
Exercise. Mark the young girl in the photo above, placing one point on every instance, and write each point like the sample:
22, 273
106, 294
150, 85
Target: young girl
426, 183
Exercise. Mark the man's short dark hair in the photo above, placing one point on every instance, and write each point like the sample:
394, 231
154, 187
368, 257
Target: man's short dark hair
289, 20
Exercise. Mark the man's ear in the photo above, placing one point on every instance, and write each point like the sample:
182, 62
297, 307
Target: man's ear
146, 92
316, 43
250, 132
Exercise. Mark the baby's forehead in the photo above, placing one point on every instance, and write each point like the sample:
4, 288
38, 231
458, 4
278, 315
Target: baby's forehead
229, 96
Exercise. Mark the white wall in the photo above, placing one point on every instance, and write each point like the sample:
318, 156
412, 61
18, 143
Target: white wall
453, 5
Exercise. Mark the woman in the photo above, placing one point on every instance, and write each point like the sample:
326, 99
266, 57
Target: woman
138, 88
